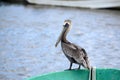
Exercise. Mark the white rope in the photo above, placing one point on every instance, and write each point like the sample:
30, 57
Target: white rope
92, 73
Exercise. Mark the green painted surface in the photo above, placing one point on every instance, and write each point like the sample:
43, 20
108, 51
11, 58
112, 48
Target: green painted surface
101, 74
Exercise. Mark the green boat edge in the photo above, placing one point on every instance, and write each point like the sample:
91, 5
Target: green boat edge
82, 74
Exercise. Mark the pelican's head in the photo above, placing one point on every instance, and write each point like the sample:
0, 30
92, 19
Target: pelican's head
66, 28
67, 22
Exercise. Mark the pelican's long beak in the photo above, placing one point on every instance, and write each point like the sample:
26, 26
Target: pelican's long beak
60, 37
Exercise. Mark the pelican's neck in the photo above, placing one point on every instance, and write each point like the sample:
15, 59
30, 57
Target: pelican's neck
64, 36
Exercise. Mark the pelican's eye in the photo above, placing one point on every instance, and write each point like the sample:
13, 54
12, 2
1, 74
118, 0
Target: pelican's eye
66, 25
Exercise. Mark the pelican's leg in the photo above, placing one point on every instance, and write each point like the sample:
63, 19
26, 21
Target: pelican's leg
70, 65
79, 67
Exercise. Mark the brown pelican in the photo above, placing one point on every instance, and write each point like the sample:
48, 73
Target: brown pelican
74, 53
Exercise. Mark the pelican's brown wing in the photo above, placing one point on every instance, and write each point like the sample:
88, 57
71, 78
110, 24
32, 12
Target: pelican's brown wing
86, 58
76, 52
